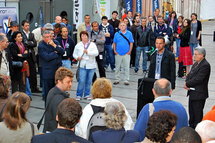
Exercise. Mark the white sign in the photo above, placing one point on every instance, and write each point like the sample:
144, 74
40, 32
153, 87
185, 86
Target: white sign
5, 13
207, 9
103, 7
77, 12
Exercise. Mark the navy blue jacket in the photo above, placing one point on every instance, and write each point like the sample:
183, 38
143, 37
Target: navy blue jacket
160, 30
50, 58
58, 136
108, 40
68, 49
115, 136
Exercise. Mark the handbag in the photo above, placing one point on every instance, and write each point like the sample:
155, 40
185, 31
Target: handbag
78, 69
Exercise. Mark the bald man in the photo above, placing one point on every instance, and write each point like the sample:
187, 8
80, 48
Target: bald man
162, 90
58, 19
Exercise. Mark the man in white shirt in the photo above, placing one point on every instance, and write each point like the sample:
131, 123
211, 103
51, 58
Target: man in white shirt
4, 63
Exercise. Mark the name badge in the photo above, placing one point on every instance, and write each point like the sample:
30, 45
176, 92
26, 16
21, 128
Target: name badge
157, 76
65, 54
100, 57
191, 33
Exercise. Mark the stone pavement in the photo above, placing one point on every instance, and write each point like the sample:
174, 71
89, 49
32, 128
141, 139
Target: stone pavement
128, 94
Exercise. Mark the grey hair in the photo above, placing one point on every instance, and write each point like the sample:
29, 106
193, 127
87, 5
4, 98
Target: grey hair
2, 37
201, 50
162, 89
46, 32
115, 116
143, 18
206, 129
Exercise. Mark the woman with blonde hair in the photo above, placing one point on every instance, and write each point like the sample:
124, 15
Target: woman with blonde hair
115, 118
15, 126
102, 94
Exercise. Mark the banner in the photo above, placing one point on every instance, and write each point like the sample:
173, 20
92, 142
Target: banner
5, 13
128, 5
139, 6
103, 7
155, 4
77, 12
207, 8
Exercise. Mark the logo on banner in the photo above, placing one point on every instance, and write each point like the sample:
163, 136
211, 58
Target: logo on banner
128, 4
155, 4
77, 13
139, 6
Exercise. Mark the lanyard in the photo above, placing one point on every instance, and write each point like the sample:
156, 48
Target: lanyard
64, 44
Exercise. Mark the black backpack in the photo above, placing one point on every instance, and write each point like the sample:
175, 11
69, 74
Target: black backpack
96, 121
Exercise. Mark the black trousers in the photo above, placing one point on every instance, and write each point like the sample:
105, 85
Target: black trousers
133, 56
196, 112
33, 74
101, 66
18, 85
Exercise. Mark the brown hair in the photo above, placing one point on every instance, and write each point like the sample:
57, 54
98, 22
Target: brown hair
5, 83
61, 73
84, 33
69, 112
102, 88
15, 111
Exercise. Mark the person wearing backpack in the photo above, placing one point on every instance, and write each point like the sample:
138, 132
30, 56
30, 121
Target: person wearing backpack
115, 117
102, 94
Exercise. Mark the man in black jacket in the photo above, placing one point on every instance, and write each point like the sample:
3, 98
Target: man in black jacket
162, 64
197, 85
142, 41
30, 43
63, 80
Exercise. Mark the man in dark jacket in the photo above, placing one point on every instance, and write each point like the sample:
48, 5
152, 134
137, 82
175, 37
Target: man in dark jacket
197, 85
63, 80
162, 64
114, 21
50, 53
69, 112
142, 41
31, 43
108, 30
68, 45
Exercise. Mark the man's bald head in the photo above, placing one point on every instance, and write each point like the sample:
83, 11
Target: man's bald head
162, 87
58, 19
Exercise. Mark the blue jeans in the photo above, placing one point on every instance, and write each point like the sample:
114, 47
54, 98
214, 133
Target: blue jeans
109, 56
85, 81
178, 42
28, 89
193, 46
140, 50
66, 64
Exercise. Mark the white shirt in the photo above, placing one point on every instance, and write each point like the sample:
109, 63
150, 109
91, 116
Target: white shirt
4, 69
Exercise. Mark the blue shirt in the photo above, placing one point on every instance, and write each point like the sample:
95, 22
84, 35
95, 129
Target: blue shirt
122, 46
158, 65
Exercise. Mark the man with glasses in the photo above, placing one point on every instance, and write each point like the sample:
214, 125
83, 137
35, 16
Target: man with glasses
50, 53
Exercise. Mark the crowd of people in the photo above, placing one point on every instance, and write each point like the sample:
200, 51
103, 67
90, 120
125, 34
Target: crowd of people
51, 50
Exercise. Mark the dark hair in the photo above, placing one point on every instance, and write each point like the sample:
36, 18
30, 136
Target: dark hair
104, 17
188, 22
62, 73
159, 125
159, 16
84, 33
186, 135
94, 22
69, 112
15, 110
160, 37
57, 25
182, 17
115, 12
25, 21
5, 84
194, 15
173, 12
62, 28
15, 34
128, 12
86, 15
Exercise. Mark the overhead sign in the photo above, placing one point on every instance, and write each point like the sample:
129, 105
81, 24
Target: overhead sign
155, 5
139, 6
77, 12
128, 5
5, 14
103, 7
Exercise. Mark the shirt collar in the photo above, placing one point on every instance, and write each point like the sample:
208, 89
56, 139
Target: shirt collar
162, 98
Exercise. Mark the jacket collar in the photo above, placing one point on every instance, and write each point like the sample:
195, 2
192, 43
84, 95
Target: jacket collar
64, 131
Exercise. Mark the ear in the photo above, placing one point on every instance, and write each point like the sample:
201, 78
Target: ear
153, 91
170, 92
56, 117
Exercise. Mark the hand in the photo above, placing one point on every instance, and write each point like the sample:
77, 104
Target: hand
79, 58
129, 53
164, 33
20, 55
198, 38
51, 42
25, 52
115, 53
85, 51
107, 34
185, 87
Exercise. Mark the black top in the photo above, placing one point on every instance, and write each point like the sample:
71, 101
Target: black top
185, 38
